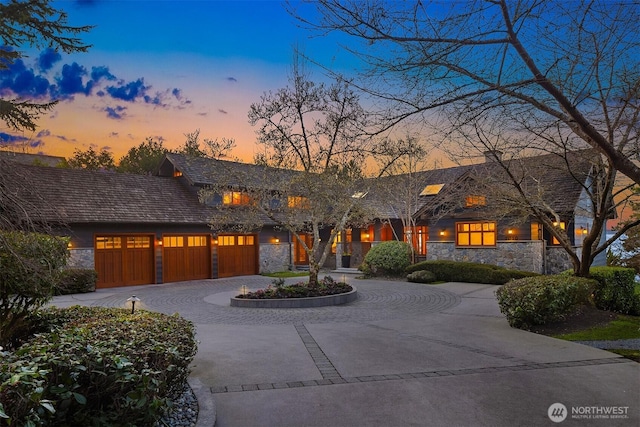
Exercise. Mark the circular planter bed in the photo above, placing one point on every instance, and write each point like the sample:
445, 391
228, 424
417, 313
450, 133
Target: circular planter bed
321, 301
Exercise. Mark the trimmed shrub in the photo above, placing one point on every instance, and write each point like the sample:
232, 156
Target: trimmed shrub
76, 281
97, 367
539, 300
472, 272
29, 268
387, 259
616, 289
421, 276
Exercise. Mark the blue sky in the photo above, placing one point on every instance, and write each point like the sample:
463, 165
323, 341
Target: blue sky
161, 69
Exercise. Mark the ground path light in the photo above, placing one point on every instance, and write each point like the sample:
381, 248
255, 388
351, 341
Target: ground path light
134, 299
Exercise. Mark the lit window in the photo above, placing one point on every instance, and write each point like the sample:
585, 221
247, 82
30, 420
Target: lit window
193, 241
138, 242
108, 242
226, 240
366, 235
235, 198
431, 189
386, 233
346, 248
562, 226
300, 202
474, 200
177, 173
173, 241
476, 234
418, 236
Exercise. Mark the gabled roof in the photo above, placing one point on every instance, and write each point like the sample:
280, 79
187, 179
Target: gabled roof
32, 159
203, 171
554, 180
82, 196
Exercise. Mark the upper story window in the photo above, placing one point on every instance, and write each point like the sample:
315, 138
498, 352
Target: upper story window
476, 234
431, 189
300, 202
562, 226
176, 173
475, 200
235, 198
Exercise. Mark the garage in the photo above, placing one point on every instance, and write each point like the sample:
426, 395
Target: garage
237, 255
186, 257
124, 260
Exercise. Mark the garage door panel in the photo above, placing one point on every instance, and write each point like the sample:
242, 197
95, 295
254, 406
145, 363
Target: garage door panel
186, 257
237, 255
124, 260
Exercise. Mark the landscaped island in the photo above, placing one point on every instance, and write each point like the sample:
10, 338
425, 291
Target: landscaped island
299, 295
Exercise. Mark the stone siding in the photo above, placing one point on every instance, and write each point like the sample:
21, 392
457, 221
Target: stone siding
558, 260
521, 255
275, 257
81, 258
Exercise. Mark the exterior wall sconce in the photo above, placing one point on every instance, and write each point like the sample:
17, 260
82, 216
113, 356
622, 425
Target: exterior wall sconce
583, 230
69, 245
133, 299
215, 241
159, 242
510, 231
443, 232
276, 240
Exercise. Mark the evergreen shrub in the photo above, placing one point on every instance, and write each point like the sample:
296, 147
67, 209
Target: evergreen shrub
389, 258
471, 272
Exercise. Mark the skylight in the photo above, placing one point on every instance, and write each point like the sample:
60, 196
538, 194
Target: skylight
431, 189
359, 194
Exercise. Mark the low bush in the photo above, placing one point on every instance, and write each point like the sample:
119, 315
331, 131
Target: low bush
616, 289
543, 299
387, 259
76, 281
421, 276
96, 367
472, 272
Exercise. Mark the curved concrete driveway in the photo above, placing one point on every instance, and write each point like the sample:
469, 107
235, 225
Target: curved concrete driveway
403, 354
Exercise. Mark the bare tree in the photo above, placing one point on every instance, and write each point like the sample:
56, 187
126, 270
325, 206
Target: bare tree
575, 65
310, 172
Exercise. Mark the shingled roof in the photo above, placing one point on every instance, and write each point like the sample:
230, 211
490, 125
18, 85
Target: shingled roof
82, 196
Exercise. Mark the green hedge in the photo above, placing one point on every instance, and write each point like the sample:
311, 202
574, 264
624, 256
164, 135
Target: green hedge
455, 271
387, 259
76, 281
421, 276
95, 366
616, 289
539, 300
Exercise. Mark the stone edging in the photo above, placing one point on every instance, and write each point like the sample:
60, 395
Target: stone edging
297, 302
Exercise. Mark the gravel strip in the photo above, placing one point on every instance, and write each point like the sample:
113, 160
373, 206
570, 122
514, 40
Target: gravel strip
632, 344
184, 412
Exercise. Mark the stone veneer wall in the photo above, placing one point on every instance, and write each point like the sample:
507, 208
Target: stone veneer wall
558, 260
275, 257
81, 258
524, 255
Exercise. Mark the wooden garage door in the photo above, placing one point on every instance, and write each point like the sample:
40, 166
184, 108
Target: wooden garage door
124, 260
186, 257
237, 255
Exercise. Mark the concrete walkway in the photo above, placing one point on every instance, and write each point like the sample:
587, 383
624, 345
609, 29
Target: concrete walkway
403, 354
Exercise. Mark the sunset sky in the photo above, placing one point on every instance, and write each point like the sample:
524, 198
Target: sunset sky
161, 69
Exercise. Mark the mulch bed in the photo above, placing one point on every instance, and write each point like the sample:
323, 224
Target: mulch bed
584, 318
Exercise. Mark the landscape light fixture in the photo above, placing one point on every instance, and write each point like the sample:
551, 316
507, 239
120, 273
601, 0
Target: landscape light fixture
134, 299
243, 290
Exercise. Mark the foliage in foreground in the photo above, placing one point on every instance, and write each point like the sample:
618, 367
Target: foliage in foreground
30, 264
387, 259
470, 272
616, 289
422, 276
543, 299
325, 286
95, 366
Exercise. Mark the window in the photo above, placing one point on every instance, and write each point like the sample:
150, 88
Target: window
476, 234
197, 241
300, 202
366, 235
473, 200
536, 231
245, 240
177, 173
346, 248
173, 241
418, 237
431, 189
108, 242
226, 240
562, 225
138, 242
235, 198
386, 233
